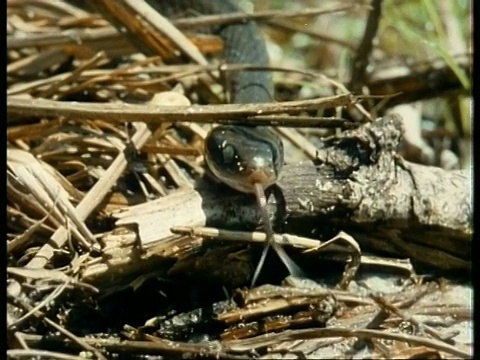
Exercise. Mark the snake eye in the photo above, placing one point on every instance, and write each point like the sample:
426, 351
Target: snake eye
229, 154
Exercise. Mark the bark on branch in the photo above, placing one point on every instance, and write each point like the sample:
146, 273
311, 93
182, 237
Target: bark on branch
359, 185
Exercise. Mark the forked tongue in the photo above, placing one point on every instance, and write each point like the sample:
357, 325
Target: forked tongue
292, 267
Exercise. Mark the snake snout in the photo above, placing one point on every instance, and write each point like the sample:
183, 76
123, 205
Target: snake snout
260, 170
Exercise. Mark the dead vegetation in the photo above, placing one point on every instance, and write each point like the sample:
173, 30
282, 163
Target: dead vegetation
119, 243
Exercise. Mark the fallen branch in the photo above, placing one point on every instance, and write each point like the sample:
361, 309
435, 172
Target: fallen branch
119, 113
359, 185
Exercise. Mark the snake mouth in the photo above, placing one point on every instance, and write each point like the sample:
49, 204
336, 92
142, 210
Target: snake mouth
260, 177
246, 182
246, 179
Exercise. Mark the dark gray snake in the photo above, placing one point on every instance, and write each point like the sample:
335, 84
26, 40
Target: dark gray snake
245, 158
239, 156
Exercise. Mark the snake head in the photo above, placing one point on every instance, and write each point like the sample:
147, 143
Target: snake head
241, 156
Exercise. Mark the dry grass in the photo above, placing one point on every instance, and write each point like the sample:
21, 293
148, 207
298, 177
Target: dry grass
78, 276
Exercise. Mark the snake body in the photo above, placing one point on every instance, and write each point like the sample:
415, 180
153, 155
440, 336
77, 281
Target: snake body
239, 156
246, 158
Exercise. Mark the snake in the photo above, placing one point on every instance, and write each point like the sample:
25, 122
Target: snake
237, 155
246, 158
